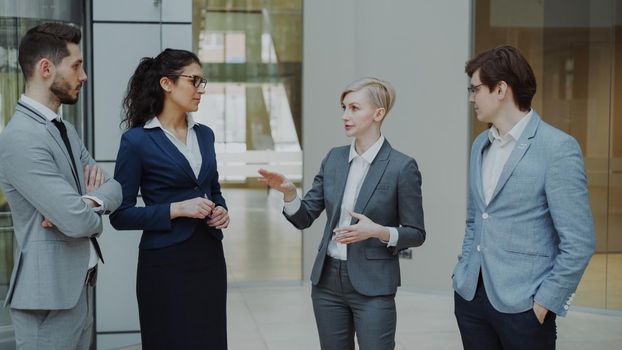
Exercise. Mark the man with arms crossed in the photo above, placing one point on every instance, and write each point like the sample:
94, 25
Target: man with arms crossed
57, 195
529, 232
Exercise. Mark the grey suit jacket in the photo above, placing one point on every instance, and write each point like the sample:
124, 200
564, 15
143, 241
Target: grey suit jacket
390, 196
535, 237
38, 181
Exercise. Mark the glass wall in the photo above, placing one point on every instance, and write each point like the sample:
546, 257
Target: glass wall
16, 17
575, 49
251, 52
252, 56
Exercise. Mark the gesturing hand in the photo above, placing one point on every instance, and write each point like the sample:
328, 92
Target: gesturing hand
198, 208
279, 182
362, 230
93, 177
220, 218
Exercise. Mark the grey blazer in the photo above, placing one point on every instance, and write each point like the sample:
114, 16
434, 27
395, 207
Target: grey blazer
390, 196
38, 181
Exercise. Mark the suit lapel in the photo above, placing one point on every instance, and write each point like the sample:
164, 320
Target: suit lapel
522, 145
168, 148
479, 157
53, 131
341, 176
374, 174
204, 148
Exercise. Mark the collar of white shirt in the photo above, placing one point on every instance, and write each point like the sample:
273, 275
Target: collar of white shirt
514, 134
155, 122
40, 107
371, 152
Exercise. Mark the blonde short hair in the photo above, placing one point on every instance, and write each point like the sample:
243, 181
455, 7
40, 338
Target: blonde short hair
380, 92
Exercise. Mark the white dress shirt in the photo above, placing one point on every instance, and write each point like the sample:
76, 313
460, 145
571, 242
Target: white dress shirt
359, 165
51, 115
497, 154
190, 149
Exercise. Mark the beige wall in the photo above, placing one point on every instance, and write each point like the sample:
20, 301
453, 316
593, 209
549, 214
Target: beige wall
421, 47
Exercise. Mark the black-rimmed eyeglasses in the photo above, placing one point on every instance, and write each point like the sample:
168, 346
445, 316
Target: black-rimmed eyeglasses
197, 81
473, 88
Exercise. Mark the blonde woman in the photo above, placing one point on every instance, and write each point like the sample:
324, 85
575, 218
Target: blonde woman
372, 197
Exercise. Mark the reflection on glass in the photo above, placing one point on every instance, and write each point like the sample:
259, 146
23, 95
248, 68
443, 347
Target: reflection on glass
570, 47
11, 86
251, 54
264, 123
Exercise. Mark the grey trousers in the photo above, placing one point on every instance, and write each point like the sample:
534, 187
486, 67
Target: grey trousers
55, 329
341, 312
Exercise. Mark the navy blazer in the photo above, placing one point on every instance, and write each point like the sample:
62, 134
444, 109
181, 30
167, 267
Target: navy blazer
149, 161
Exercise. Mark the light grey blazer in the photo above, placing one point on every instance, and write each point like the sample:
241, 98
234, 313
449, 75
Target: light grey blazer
536, 236
390, 196
38, 181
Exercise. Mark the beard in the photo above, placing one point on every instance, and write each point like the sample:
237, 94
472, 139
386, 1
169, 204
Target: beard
60, 88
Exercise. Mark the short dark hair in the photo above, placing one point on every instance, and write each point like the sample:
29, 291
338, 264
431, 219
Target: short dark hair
47, 40
505, 63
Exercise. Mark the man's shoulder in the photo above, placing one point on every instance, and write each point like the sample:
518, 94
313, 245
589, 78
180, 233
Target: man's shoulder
553, 132
20, 127
553, 137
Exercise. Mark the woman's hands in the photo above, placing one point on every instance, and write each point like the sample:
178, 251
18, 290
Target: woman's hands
362, 230
279, 182
220, 218
197, 208
201, 208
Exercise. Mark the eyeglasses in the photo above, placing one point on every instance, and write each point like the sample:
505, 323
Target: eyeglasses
197, 81
473, 88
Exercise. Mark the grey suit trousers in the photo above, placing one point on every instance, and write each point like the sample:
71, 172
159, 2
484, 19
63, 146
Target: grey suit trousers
40, 329
340, 312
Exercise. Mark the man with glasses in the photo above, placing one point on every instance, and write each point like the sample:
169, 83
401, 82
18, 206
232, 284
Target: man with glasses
57, 195
529, 232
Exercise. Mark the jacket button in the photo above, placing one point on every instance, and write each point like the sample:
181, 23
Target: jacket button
478, 248
485, 216
196, 188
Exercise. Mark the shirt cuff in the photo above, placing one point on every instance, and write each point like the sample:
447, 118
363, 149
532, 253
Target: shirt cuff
99, 208
394, 235
290, 208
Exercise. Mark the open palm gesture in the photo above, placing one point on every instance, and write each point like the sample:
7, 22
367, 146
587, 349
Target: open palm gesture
279, 182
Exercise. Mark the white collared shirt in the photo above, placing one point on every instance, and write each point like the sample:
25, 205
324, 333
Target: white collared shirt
495, 156
50, 115
359, 166
190, 149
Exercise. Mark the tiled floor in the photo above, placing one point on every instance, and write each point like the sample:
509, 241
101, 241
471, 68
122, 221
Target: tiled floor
260, 245
281, 318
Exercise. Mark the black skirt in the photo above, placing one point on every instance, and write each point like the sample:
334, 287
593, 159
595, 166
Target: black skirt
182, 295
